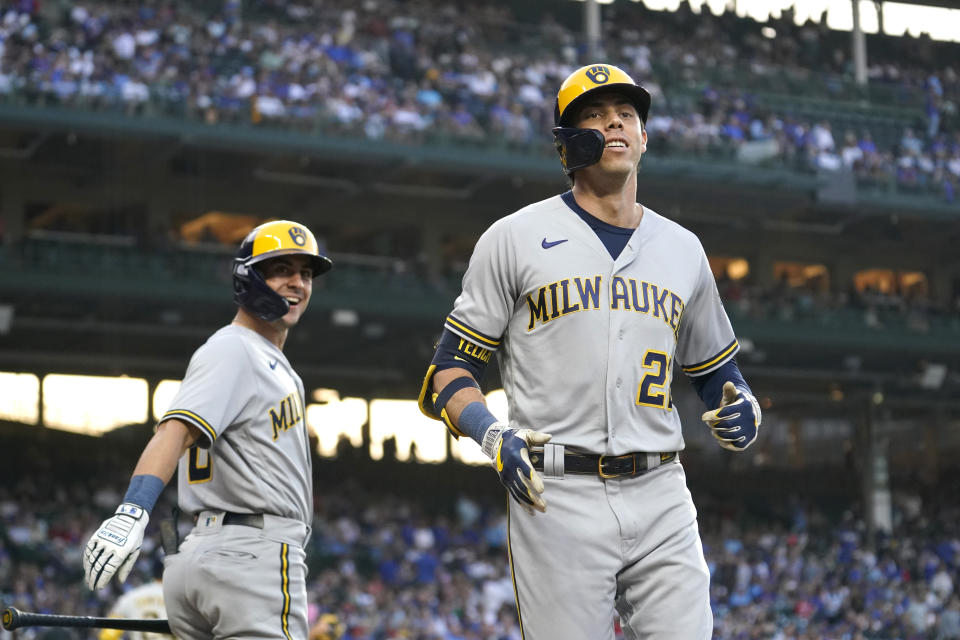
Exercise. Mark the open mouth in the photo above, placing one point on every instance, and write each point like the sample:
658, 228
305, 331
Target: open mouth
293, 301
615, 144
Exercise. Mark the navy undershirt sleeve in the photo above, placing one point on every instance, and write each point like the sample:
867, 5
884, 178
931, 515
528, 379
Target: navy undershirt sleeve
710, 385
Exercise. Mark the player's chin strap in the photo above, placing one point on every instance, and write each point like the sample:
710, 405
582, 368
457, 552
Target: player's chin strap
578, 148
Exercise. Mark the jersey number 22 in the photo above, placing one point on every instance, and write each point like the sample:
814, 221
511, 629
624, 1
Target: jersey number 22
653, 390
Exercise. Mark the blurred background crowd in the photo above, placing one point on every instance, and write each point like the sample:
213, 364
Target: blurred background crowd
485, 74
404, 566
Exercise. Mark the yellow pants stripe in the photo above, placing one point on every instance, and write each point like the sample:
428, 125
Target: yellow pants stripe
513, 575
285, 582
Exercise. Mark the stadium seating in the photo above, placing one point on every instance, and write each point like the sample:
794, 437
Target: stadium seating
346, 70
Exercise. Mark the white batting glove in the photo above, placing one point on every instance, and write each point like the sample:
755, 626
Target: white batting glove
736, 421
509, 449
115, 546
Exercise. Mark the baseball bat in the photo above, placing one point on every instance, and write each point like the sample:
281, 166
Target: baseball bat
13, 618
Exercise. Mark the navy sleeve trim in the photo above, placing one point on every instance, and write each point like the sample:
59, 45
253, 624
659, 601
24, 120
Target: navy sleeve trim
713, 362
192, 418
462, 328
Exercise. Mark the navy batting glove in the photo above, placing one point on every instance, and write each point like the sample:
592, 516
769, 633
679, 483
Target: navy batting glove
510, 451
736, 422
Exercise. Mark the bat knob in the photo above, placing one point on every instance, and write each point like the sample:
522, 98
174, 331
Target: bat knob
11, 618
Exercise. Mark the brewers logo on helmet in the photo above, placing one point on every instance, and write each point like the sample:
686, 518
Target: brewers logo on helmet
270, 240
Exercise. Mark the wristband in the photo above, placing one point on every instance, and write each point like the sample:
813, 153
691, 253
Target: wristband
144, 490
474, 420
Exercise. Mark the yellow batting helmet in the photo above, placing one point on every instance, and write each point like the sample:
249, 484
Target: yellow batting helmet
327, 627
271, 240
594, 78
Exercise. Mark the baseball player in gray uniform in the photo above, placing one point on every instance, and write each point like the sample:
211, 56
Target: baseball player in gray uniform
236, 429
145, 601
589, 298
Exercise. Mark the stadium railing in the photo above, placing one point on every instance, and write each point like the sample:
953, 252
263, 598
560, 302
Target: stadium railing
234, 129
201, 274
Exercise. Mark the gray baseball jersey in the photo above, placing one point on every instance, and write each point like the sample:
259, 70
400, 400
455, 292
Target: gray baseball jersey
564, 317
242, 393
242, 577
586, 346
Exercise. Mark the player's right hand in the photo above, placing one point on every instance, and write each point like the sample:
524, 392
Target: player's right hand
115, 546
510, 452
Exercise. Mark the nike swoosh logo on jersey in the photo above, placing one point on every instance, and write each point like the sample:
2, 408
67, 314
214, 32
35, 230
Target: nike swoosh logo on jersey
273, 365
547, 245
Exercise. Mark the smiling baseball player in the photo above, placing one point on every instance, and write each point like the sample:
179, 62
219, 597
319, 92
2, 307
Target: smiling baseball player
237, 430
589, 298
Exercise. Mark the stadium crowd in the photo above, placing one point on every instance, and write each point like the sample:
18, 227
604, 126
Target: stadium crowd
398, 567
422, 72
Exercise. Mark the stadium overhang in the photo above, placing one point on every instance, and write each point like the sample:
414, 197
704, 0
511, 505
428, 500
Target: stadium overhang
946, 4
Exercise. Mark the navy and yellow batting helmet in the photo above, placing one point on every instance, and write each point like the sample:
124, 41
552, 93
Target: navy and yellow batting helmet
592, 79
328, 627
271, 240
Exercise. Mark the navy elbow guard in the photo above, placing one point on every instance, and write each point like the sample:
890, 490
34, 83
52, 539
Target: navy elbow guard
452, 352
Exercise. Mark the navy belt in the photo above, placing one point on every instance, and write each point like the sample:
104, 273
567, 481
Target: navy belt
629, 465
254, 520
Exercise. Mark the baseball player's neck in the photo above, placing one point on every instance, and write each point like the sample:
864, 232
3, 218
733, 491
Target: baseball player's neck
275, 332
609, 198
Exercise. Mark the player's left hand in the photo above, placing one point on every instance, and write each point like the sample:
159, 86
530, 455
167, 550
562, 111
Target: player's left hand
511, 456
736, 421
115, 546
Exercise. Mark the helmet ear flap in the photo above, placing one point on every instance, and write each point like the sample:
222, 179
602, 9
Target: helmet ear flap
578, 148
252, 292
